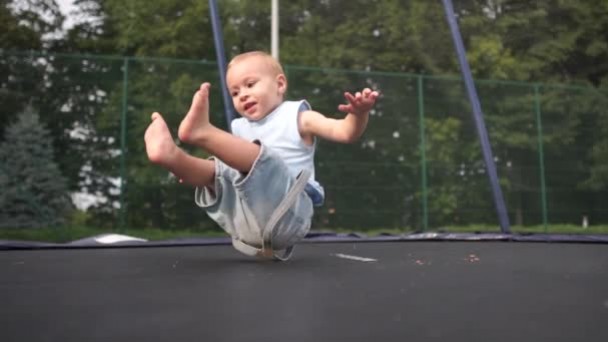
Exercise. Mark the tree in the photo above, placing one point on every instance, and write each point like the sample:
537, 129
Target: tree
28, 24
33, 192
598, 177
540, 41
23, 27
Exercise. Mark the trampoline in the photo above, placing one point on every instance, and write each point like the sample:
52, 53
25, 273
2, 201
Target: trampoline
330, 291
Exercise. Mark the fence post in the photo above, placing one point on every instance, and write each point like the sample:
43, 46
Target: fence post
541, 156
123, 142
425, 214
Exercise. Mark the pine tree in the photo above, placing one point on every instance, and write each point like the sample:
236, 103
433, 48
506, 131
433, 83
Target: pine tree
33, 192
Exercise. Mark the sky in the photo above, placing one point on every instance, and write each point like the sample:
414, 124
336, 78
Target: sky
66, 6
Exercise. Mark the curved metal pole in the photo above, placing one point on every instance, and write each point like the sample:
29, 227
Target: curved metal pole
221, 60
499, 202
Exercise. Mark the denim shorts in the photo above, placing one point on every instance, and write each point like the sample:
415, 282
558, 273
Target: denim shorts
243, 204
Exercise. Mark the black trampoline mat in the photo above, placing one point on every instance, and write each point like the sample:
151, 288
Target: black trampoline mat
414, 291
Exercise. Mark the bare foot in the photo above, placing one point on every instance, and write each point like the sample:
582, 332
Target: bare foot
193, 127
160, 146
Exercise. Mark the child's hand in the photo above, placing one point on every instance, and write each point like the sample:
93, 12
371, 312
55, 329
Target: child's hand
360, 103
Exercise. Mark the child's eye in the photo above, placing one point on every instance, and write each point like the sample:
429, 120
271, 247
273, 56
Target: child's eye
234, 93
250, 84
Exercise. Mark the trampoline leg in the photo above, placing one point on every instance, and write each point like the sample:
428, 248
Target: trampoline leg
499, 201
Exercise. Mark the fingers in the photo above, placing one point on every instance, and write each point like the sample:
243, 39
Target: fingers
360, 102
366, 94
345, 108
369, 94
349, 97
155, 116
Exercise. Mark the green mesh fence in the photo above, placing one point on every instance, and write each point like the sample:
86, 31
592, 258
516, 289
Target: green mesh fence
418, 166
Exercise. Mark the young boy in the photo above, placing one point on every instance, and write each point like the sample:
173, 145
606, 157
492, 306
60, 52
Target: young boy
260, 185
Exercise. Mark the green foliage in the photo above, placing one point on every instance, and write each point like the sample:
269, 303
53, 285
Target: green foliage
33, 192
598, 175
328, 47
25, 23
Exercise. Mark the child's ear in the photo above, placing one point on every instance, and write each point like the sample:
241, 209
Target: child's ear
281, 83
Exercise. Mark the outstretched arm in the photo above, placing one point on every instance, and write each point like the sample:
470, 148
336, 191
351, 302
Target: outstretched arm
346, 130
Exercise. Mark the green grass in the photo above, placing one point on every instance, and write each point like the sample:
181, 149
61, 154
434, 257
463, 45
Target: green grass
551, 229
479, 228
66, 234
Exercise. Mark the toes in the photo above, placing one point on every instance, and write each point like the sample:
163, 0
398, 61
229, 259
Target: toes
203, 89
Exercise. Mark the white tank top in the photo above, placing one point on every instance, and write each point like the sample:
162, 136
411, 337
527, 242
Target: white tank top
279, 131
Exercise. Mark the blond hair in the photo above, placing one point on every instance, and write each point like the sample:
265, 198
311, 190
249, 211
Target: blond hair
274, 65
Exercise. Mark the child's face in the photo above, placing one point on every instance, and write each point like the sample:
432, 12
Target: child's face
255, 88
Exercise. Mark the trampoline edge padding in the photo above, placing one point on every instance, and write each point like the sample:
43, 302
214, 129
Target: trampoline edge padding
117, 240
